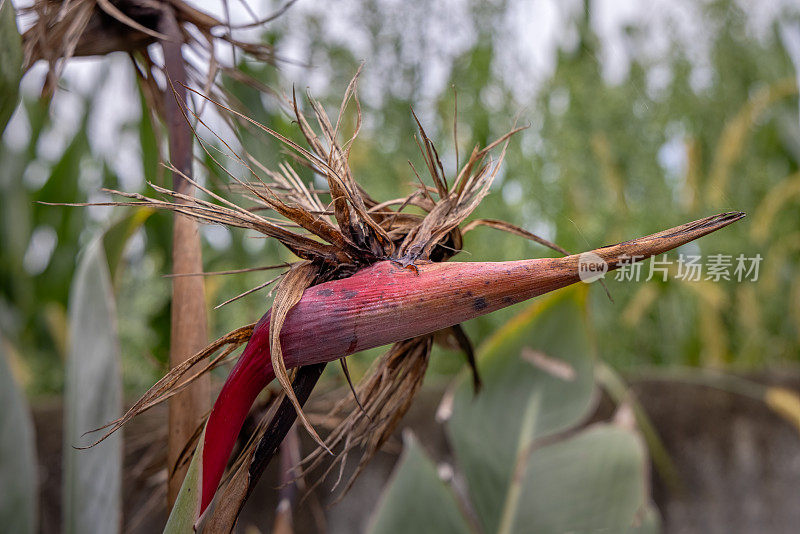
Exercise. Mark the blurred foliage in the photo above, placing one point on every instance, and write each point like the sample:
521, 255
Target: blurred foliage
601, 162
19, 501
92, 479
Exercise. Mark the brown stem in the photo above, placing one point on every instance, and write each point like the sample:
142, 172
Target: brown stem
282, 423
188, 321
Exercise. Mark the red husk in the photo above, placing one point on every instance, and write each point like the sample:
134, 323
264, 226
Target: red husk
385, 303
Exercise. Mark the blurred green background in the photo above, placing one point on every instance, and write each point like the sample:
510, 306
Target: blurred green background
640, 118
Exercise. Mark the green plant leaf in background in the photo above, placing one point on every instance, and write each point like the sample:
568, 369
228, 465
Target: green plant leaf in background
18, 469
519, 394
593, 482
10, 62
118, 234
416, 484
93, 397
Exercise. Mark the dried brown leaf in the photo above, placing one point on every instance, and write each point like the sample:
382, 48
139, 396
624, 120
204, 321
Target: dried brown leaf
386, 395
288, 293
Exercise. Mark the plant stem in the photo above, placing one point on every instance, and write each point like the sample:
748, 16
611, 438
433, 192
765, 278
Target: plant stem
282, 423
188, 333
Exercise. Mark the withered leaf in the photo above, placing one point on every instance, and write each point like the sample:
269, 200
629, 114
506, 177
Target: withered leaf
288, 293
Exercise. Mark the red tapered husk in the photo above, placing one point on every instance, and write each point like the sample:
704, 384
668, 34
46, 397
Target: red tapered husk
386, 303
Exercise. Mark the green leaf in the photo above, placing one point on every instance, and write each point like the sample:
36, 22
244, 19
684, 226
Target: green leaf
521, 401
415, 499
187, 505
593, 482
116, 237
93, 397
18, 469
10, 62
